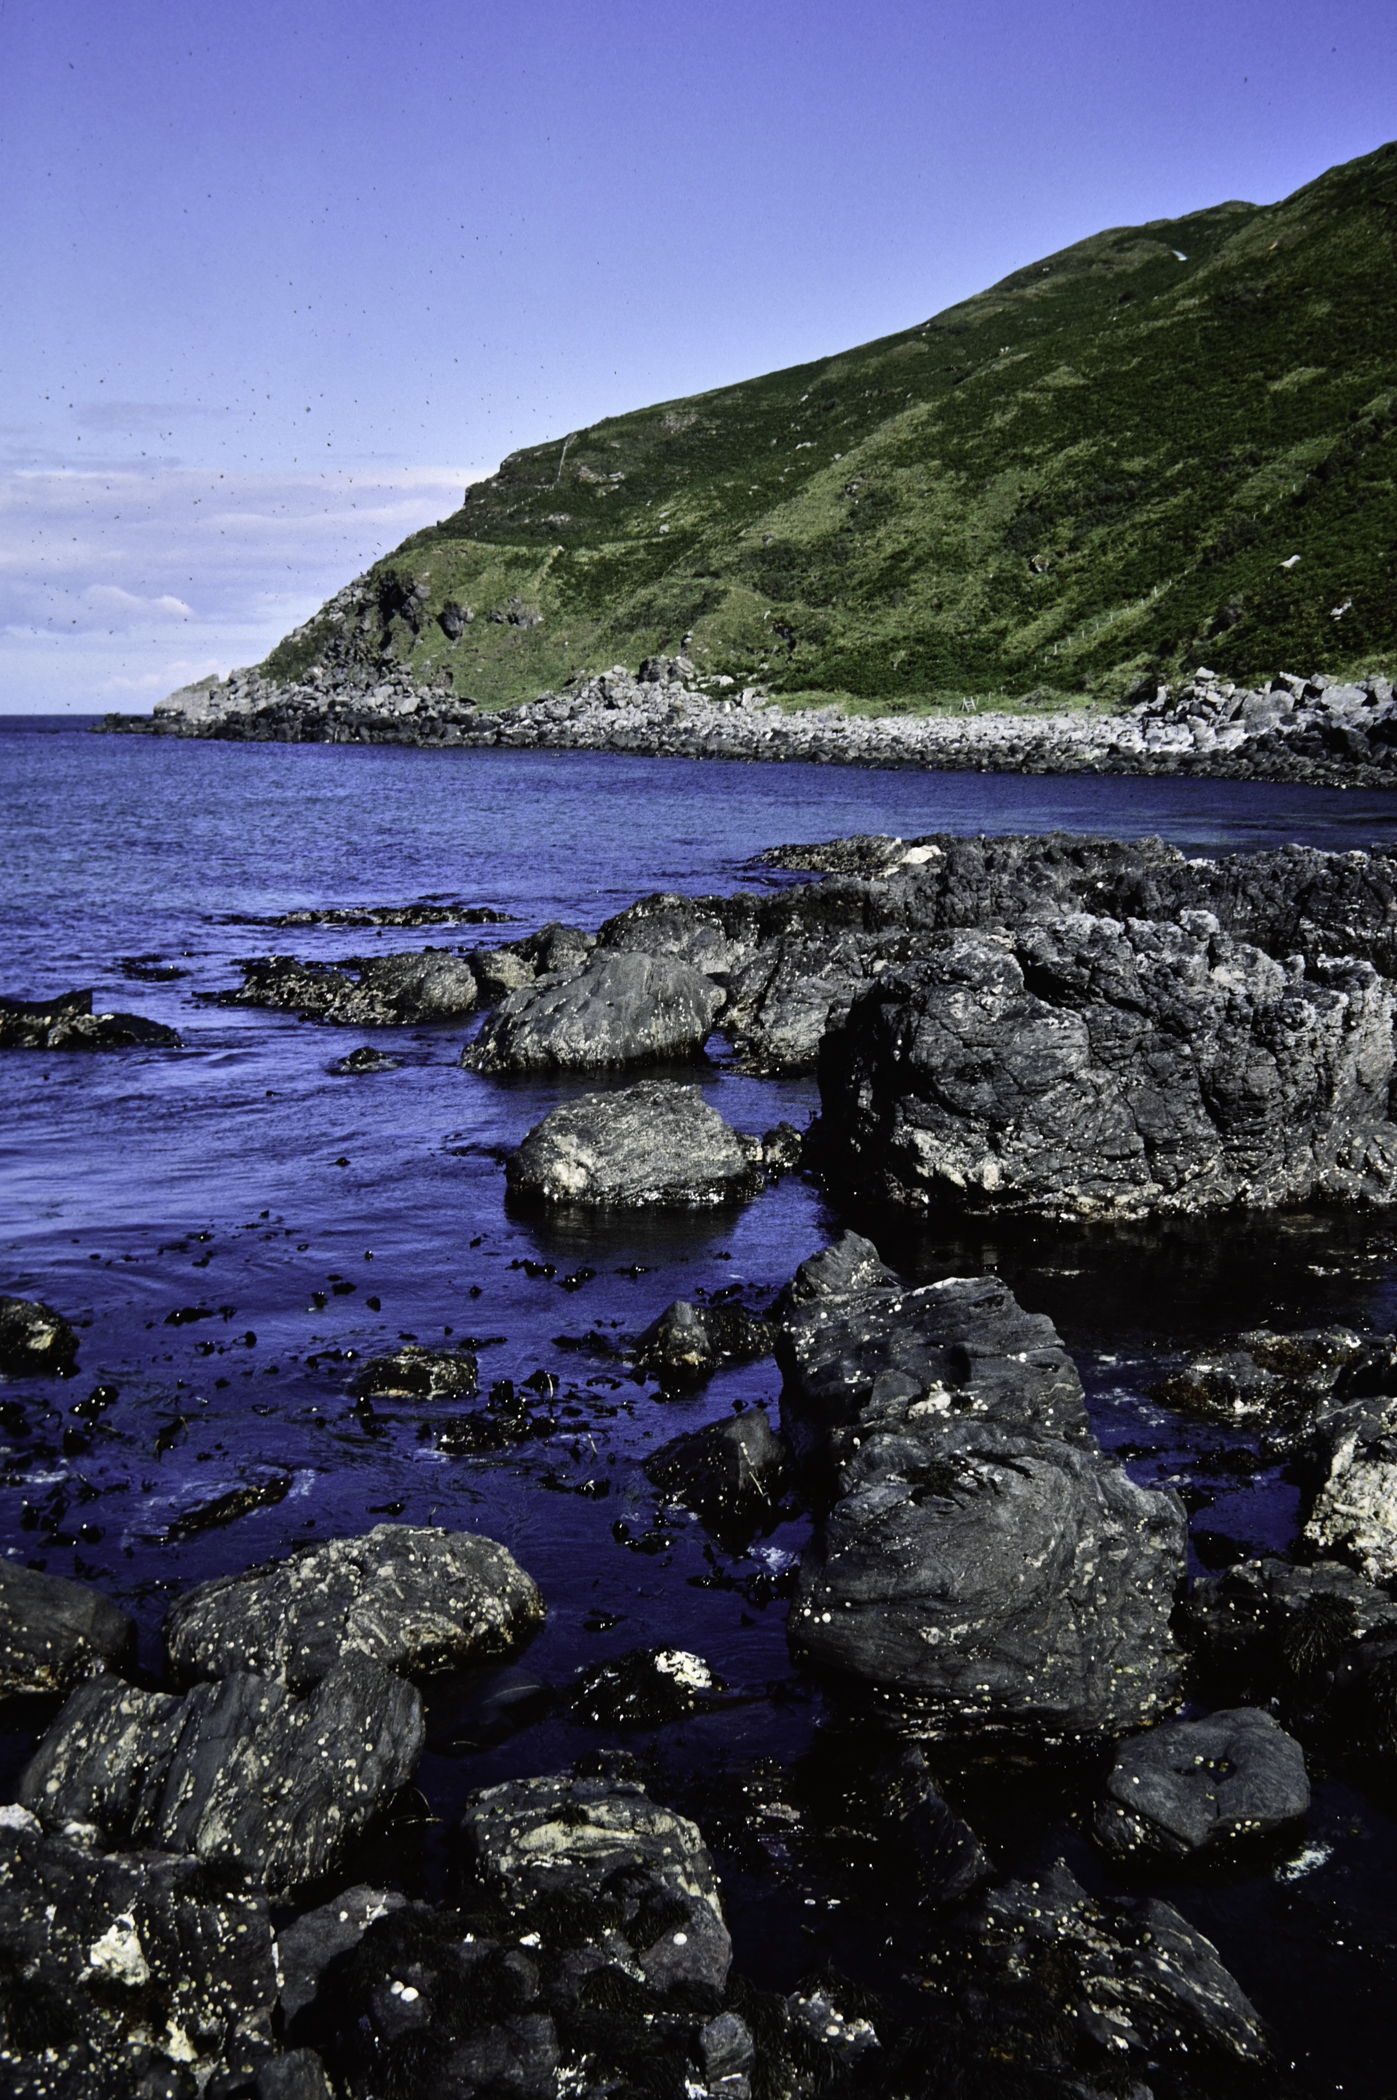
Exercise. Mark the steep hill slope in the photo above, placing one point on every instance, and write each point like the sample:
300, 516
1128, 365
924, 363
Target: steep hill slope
1104, 464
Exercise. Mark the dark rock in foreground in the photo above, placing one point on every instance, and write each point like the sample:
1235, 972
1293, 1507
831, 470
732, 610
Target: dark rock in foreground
690, 1342
1136, 1975
731, 1474
1094, 1068
645, 1688
130, 1974
67, 1022
54, 1633
35, 1341
947, 1860
617, 1010
654, 1143
1189, 1784
306, 1947
413, 1599
239, 1773
391, 991
417, 1373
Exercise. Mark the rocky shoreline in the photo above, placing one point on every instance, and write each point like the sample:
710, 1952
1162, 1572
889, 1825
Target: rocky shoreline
1287, 728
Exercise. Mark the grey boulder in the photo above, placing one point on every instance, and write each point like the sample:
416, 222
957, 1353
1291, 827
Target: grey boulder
617, 1010
1354, 1514
239, 1773
651, 1144
411, 1598
1189, 1784
35, 1341
55, 1633
1091, 1067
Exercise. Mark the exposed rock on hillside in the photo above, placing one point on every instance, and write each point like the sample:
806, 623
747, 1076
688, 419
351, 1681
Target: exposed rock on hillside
1091, 1067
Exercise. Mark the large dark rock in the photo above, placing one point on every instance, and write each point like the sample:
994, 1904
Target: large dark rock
412, 1598
653, 1143
123, 1969
602, 1853
617, 1010
689, 1342
1266, 1629
389, 990
306, 1947
67, 1022
240, 1773
1189, 1784
35, 1341
731, 1473
54, 1633
981, 1577
1140, 1982
1089, 1067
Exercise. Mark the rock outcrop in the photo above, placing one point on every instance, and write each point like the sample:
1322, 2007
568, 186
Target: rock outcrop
35, 1341
653, 1144
413, 1599
54, 1633
239, 1773
1191, 1784
389, 991
67, 1022
1098, 1068
617, 1010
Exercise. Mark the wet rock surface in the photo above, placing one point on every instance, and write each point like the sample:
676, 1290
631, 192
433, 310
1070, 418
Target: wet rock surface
731, 1474
617, 1010
1093, 1067
1354, 1515
1190, 1784
419, 1373
388, 991
689, 1342
646, 1688
35, 1341
410, 1598
67, 1022
655, 1143
54, 1633
366, 1059
239, 1773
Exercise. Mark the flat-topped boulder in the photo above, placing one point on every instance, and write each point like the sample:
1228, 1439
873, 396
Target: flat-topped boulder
1090, 1067
54, 1633
652, 1144
625, 1009
240, 1773
67, 1022
411, 1598
1191, 1784
35, 1341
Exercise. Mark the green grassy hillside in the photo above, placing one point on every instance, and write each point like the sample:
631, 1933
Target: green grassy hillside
1095, 468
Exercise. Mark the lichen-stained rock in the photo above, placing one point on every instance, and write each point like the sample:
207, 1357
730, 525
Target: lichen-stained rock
564, 1848
1355, 1510
126, 1967
986, 1578
55, 1633
650, 1144
35, 1341
959, 1350
1188, 1784
67, 1022
240, 1773
623, 1009
412, 1598
389, 991
1137, 1975
1093, 1067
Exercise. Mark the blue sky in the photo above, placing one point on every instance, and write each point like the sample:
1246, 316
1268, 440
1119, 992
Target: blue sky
280, 278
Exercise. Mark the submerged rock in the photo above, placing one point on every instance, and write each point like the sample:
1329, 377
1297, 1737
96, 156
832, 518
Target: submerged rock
35, 1341
411, 1598
240, 1773
55, 1633
365, 1059
125, 1971
1091, 1067
653, 1143
617, 1010
416, 1373
690, 1342
67, 1022
731, 1474
1189, 1784
391, 991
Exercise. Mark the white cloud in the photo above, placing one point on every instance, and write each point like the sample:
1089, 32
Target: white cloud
97, 565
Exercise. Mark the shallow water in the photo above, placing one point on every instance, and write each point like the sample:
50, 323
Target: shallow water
238, 1176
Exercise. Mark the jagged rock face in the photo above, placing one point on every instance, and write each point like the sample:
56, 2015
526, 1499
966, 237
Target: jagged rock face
653, 1143
1094, 1068
54, 1633
239, 1773
67, 1022
1189, 1784
411, 1598
35, 1341
1136, 1974
618, 1010
391, 990
124, 1968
